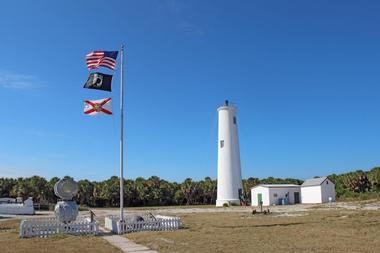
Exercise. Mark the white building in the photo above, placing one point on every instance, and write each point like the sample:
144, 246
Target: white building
14, 207
10, 200
229, 172
317, 190
275, 194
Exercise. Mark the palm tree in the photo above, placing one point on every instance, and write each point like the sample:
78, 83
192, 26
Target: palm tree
188, 188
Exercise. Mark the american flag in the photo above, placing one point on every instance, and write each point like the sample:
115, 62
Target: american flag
98, 59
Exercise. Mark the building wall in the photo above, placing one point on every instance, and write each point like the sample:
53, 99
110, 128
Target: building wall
328, 190
265, 194
279, 193
311, 194
268, 195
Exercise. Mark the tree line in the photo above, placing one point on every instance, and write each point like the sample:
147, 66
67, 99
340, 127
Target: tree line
155, 191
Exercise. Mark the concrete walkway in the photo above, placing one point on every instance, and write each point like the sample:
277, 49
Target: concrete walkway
123, 243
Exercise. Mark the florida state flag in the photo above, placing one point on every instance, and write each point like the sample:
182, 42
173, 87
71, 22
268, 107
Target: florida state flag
100, 106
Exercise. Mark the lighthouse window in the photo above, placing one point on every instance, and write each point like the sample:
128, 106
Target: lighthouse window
221, 144
234, 120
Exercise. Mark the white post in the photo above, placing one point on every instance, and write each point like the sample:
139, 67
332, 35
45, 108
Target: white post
121, 133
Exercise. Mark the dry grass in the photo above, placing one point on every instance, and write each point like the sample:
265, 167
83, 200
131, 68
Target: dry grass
10, 242
314, 231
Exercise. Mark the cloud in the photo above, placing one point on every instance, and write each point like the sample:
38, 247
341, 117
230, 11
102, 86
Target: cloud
173, 5
10, 80
46, 134
15, 173
191, 29
187, 26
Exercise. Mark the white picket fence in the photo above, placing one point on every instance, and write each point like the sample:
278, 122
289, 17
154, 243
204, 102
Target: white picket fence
163, 223
51, 226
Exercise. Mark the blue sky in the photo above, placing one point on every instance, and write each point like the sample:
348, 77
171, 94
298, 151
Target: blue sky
305, 76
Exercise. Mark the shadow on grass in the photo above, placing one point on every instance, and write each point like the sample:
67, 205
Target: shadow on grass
8, 230
265, 225
107, 233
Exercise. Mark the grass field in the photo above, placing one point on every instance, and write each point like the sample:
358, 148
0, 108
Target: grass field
312, 231
11, 243
344, 227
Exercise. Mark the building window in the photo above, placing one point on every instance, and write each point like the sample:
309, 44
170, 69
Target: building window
327, 182
234, 120
275, 195
221, 144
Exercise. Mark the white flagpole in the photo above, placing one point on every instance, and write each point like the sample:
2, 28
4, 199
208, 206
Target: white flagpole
121, 133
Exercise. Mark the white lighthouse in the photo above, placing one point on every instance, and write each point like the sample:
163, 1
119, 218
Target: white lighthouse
229, 171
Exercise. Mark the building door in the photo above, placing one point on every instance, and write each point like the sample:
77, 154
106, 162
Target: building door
296, 198
259, 198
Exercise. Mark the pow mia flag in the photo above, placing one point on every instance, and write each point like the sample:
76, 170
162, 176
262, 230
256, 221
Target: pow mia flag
99, 81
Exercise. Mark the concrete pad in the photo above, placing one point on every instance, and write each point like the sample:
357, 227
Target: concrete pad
124, 244
146, 251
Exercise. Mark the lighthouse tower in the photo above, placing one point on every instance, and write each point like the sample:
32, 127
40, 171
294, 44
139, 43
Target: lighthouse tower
229, 171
